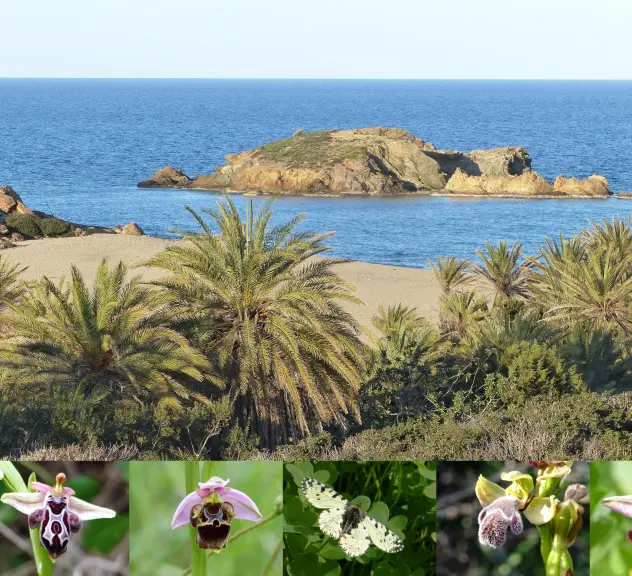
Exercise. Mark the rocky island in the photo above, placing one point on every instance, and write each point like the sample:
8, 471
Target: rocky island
377, 161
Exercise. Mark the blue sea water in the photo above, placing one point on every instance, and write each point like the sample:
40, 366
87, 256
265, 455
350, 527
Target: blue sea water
77, 148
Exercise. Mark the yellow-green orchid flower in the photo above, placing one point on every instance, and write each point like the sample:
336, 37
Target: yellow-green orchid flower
502, 507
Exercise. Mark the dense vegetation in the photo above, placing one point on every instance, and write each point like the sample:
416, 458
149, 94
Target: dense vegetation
244, 349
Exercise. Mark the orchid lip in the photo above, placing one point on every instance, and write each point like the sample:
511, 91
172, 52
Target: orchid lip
244, 506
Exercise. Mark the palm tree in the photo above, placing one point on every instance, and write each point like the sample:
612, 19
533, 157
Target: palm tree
270, 317
615, 234
595, 292
460, 311
10, 287
501, 269
604, 364
111, 340
404, 334
451, 272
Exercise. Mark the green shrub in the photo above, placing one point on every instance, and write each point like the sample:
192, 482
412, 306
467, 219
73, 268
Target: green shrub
55, 227
34, 226
532, 369
25, 224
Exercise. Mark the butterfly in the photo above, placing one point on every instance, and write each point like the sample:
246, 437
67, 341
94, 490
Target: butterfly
347, 523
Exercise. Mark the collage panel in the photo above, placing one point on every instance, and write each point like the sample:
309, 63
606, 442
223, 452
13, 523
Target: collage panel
611, 518
354, 518
513, 518
199, 518
64, 518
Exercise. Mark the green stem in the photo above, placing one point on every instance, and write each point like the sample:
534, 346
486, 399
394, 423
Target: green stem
272, 558
14, 483
198, 558
545, 541
255, 525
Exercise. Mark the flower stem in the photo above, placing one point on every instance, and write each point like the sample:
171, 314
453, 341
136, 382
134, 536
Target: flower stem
14, 483
198, 558
255, 525
272, 558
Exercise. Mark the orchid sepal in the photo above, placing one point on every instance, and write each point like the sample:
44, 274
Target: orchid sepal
619, 504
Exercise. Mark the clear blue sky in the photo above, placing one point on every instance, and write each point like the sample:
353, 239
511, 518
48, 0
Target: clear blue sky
316, 38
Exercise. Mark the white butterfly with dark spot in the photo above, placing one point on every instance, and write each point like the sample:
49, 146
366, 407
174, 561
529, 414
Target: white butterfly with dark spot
346, 522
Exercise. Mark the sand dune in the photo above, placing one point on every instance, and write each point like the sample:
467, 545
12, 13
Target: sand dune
376, 283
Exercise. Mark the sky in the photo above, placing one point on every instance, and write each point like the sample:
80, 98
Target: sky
499, 39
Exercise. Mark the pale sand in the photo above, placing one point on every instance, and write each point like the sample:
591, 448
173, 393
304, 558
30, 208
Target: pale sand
376, 283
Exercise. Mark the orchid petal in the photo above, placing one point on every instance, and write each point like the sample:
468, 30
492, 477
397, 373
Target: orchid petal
541, 510
620, 504
213, 483
87, 511
487, 491
558, 470
521, 485
183, 512
25, 502
45, 488
244, 507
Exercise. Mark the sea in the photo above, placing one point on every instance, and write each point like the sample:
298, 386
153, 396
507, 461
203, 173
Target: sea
77, 148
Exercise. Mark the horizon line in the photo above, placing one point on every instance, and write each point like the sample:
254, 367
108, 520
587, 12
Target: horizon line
299, 79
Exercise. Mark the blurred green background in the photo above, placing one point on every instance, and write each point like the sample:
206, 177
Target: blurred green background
156, 489
402, 495
102, 545
610, 550
458, 549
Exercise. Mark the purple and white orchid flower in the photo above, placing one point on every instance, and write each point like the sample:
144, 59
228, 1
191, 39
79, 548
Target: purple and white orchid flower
622, 505
211, 509
56, 511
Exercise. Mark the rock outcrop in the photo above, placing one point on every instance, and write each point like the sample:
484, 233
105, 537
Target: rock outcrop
132, 229
19, 223
168, 177
526, 184
593, 186
11, 203
376, 161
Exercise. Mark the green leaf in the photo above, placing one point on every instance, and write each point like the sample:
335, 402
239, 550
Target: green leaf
363, 501
331, 551
11, 477
430, 491
296, 543
321, 476
380, 512
397, 524
425, 471
297, 473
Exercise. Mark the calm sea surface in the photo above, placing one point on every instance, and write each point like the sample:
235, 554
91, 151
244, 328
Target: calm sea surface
77, 148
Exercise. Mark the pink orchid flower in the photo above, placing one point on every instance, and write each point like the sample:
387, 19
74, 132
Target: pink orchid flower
622, 505
56, 511
211, 509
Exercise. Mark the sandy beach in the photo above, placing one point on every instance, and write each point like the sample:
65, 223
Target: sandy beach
376, 283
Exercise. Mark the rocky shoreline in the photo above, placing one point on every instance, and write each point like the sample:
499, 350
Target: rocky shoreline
19, 223
378, 162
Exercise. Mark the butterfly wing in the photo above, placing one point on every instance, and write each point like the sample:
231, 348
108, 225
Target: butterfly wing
330, 522
321, 495
382, 537
356, 542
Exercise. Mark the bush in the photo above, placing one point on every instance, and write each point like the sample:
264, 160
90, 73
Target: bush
532, 369
55, 227
34, 226
25, 224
